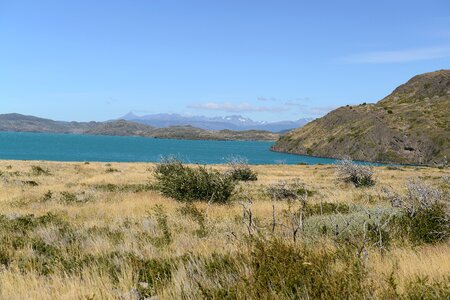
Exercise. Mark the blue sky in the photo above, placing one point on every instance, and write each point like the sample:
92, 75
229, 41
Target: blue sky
268, 60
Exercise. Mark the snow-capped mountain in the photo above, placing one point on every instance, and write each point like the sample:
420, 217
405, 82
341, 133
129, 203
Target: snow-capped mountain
233, 122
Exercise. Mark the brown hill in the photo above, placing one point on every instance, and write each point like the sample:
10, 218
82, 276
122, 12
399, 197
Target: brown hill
21, 123
126, 128
410, 126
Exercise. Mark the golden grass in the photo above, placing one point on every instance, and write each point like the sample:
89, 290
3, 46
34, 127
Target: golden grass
112, 210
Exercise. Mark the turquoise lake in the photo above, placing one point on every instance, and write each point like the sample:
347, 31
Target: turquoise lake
68, 147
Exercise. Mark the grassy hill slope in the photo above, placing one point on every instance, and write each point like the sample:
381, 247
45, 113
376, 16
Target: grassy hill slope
410, 126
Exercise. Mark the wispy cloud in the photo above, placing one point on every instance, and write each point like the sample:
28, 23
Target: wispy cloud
266, 99
299, 102
236, 107
302, 106
399, 56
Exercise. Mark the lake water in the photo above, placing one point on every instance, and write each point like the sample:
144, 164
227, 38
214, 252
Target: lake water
67, 147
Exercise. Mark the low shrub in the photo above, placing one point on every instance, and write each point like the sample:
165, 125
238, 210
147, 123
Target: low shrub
112, 170
126, 188
425, 214
426, 226
424, 288
290, 271
240, 171
277, 269
359, 175
37, 171
185, 183
47, 196
287, 190
30, 182
430, 225
74, 198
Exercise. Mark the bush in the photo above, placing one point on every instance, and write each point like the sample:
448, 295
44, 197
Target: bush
427, 226
37, 171
430, 225
424, 288
359, 175
289, 271
425, 214
240, 171
184, 183
276, 269
75, 198
30, 182
126, 188
287, 190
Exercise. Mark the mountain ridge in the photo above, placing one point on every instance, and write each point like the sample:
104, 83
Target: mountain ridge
232, 122
24, 123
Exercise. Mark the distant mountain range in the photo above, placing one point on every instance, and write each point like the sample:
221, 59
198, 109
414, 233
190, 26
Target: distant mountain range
234, 122
21, 123
409, 126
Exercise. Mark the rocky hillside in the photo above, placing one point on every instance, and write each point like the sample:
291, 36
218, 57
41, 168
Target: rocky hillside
410, 126
21, 123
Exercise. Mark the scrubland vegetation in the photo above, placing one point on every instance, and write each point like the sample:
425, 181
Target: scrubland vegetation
174, 231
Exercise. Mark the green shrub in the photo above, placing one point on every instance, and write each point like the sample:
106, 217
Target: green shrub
127, 188
30, 182
287, 190
243, 174
290, 271
47, 196
359, 175
74, 198
429, 226
424, 288
68, 197
240, 171
184, 183
37, 171
425, 215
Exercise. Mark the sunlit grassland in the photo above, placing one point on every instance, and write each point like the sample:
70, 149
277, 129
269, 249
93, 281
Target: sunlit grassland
100, 231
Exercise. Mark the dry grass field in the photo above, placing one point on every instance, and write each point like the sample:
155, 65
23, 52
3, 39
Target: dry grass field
100, 231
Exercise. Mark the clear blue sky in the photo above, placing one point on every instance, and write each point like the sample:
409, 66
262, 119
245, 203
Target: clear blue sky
268, 60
